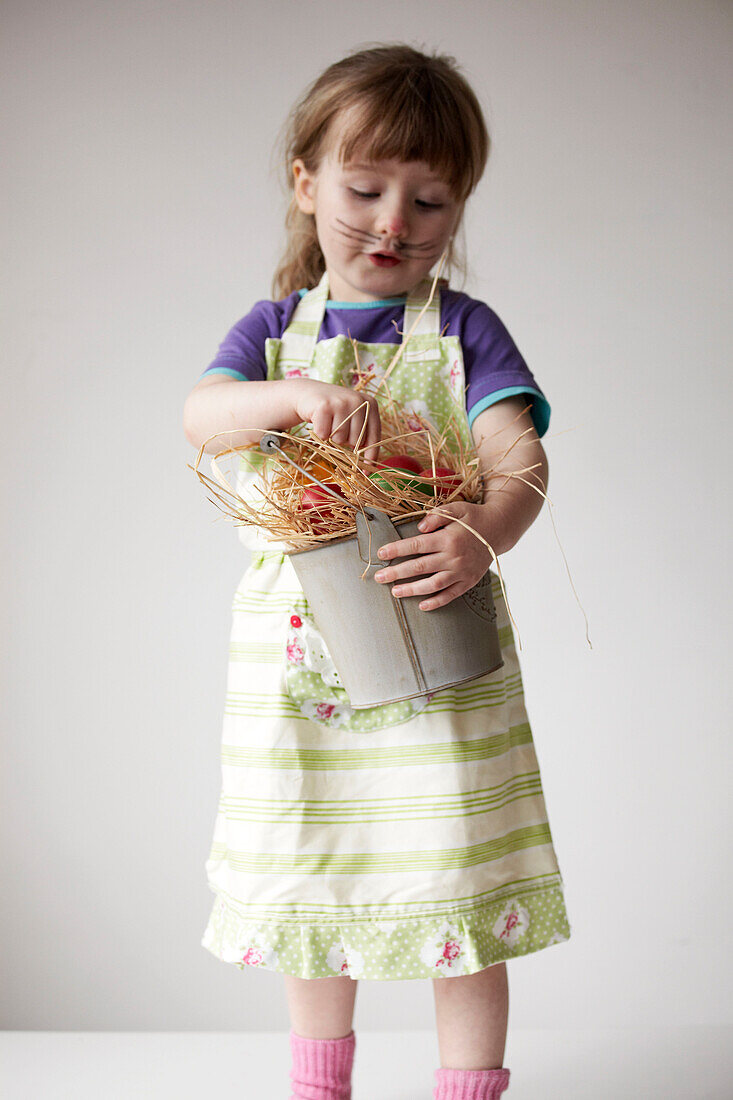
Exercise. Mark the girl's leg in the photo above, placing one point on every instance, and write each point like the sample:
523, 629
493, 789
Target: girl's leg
322, 1041
471, 1013
321, 1008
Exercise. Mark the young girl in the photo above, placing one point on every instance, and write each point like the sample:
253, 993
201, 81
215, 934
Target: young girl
408, 840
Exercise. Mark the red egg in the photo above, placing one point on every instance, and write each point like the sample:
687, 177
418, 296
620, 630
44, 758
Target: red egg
399, 462
446, 480
315, 500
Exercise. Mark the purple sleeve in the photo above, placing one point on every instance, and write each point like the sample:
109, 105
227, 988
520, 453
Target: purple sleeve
494, 365
241, 353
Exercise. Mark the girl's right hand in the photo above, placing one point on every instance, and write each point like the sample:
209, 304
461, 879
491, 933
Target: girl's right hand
326, 407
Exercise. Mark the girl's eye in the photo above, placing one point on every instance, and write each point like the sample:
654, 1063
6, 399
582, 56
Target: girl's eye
429, 205
364, 194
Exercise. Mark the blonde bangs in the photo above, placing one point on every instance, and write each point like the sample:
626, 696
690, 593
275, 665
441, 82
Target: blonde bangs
403, 123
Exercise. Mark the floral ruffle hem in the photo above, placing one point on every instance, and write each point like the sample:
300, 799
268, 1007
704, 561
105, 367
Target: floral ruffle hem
438, 946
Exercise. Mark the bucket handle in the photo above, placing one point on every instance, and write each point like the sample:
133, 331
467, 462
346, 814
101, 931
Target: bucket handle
269, 445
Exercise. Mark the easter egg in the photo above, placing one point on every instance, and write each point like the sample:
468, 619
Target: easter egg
315, 500
402, 481
319, 469
446, 480
388, 484
399, 462
403, 465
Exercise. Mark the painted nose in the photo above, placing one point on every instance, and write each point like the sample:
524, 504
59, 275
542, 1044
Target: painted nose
394, 225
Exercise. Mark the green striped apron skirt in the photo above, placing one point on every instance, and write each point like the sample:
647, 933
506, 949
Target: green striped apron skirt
409, 840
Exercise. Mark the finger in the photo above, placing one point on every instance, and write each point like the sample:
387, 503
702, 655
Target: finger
352, 421
418, 544
357, 429
433, 521
363, 434
406, 570
341, 432
372, 435
322, 423
444, 597
426, 586
371, 453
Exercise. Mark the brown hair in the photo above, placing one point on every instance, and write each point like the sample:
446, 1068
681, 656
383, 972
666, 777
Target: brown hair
407, 106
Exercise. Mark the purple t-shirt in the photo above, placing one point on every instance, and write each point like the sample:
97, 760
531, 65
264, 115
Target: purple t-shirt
494, 365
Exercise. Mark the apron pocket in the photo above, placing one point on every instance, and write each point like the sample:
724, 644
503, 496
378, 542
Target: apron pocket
312, 682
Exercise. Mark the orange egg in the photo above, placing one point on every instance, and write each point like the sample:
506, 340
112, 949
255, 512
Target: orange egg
318, 468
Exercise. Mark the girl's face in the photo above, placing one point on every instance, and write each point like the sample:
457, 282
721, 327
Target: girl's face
381, 225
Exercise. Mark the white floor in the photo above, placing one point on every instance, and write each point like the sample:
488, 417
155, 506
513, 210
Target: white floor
658, 1064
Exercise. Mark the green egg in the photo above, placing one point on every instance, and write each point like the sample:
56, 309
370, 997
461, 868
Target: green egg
421, 487
401, 481
382, 482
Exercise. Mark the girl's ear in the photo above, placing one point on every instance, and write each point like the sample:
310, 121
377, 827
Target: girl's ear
303, 187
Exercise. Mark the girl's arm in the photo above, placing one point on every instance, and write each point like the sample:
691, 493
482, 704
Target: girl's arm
219, 404
507, 443
451, 559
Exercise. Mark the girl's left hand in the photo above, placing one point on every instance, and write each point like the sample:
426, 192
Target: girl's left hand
453, 556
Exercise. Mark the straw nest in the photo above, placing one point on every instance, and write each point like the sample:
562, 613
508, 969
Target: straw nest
287, 517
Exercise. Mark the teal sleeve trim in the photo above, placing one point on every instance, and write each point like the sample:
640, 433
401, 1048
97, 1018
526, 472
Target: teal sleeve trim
226, 370
539, 408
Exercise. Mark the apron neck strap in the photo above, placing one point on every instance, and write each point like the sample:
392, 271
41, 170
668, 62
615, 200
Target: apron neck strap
429, 323
298, 341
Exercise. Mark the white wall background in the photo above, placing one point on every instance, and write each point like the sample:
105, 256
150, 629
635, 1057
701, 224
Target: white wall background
141, 219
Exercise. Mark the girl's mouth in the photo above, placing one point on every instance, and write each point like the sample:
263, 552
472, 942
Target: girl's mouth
384, 259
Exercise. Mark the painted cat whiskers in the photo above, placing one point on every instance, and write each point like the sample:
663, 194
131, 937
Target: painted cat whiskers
351, 232
425, 249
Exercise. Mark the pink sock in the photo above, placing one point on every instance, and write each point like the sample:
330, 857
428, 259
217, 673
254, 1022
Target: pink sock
322, 1067
470, 1084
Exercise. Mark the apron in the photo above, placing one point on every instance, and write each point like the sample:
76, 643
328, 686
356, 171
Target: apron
408, 840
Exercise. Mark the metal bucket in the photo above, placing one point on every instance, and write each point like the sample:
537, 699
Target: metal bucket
385, 648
